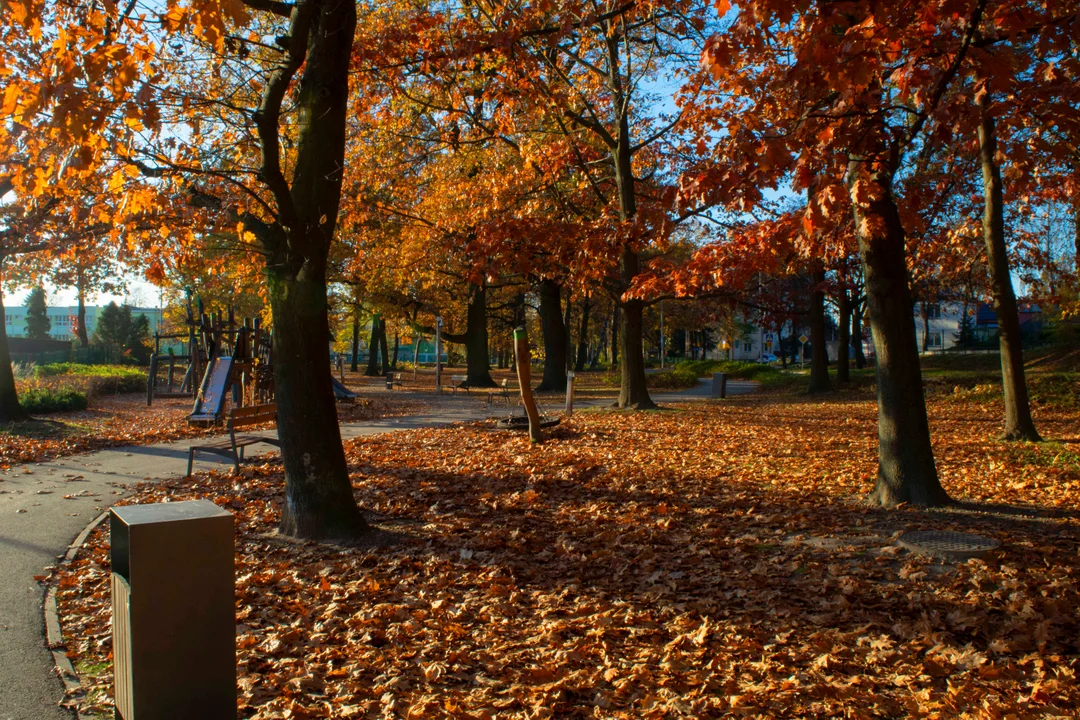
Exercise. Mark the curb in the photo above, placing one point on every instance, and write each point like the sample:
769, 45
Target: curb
54, 638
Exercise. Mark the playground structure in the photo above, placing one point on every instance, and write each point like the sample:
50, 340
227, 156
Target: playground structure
224, 360
240, 359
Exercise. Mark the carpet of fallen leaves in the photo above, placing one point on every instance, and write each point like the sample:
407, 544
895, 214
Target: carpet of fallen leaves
126, 420
710, 561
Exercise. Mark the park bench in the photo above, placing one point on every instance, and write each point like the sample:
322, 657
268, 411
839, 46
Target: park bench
502, 391
395, 378
459, 382
234, 446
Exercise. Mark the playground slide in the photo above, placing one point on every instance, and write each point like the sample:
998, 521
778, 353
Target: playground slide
341, 392
210, 401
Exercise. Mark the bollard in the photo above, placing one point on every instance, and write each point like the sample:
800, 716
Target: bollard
719, 385
174, 611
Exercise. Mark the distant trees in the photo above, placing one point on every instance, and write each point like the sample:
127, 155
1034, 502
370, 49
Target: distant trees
37, 315
123, 335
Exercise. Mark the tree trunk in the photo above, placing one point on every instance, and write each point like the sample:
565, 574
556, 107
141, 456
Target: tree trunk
906, 470
417, 339
397, 347
551, 322
84, 337
355, 341
856, 333
569, 332
1018, 422
319, 500
583, 337
819, 353
843, 345
633, 391
10, 409
925, 327
614, 336
373, 348
382, 347
475, 339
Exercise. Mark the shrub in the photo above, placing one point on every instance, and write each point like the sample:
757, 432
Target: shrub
97, 379
672, 380
46, 400
734, 368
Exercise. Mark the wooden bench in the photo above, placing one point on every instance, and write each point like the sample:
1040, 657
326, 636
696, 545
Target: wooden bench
459, 382
503, 391
234, 446
395, 379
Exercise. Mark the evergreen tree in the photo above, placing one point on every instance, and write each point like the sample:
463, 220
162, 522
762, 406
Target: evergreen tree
37, 315
113, 328
137, 344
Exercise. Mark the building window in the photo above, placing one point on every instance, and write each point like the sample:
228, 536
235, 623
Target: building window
935, 340
748, 346
933, 311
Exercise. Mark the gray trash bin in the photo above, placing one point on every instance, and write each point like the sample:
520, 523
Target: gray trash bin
174, 611
719, 385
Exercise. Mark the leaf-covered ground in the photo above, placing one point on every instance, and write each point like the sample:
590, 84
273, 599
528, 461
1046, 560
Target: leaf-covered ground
710, 561
126, 420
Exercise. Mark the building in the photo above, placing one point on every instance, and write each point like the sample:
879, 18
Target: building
64, 320
944, 323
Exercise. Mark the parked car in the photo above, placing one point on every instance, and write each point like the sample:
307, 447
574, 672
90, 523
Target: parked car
768, 359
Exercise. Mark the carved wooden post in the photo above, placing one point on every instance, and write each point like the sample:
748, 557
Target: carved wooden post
521, 353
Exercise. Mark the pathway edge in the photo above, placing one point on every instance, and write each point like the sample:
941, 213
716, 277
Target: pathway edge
54, 637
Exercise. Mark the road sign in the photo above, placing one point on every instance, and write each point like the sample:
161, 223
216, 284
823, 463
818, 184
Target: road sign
803, 339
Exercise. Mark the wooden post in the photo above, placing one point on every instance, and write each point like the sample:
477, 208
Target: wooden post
151, 380
570, 394
521, 353
438, 354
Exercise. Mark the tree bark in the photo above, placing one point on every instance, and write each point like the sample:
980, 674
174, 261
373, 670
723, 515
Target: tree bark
906, 469
614, 336
397, 347
925, 327
319, 500
382, 347
569, 333
551, 323
373, 348
10, 409
857, 332
843, 345
475, 339
819, 353
355, 341
1018, 422
84, 337
633, 391
583, 337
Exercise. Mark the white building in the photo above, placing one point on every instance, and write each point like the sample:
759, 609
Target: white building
941, 326
64, 320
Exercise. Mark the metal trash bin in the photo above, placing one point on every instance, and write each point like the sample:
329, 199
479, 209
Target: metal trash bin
174, 611
719, 385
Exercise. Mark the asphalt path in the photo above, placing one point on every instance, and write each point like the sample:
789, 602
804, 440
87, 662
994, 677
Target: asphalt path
43, 506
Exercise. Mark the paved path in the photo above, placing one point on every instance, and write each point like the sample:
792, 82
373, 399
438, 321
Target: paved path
44, 505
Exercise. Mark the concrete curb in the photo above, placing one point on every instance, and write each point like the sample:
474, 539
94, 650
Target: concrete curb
54, 638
